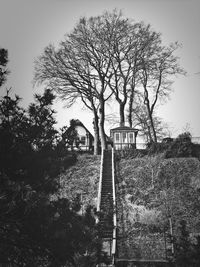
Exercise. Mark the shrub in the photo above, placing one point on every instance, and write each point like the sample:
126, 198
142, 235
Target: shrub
182, 146
187, 253
130, 153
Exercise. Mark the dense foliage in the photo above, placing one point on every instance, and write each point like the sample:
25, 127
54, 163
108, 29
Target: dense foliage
187, 251
179, 147
81, 180
34, 229
154, 196
3, 63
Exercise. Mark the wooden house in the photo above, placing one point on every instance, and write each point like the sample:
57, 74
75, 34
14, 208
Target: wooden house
84, 140
123, 137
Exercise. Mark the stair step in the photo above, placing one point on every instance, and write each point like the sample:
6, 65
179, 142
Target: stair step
104, 227
106, 202
106, 235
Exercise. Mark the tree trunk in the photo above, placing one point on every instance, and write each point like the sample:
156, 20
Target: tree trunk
130, 110
149, 136
121, 113
101, 124
151, 122
96, 134
130, 119
153, 129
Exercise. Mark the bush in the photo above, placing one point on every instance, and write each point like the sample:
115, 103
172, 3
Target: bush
156, 148
187, 253
130, 153
182, 146
34, 229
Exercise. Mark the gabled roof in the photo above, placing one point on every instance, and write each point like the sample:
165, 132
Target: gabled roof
79, 123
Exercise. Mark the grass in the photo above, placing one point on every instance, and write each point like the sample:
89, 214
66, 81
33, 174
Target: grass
81, 180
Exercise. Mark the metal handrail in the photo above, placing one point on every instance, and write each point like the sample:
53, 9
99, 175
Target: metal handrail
114, 239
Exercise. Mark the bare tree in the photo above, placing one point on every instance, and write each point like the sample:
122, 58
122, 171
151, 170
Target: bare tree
142, 44
109, 55
140, 63
141, 120
79, 69
158, 65
121, 61
126, 48
59, 70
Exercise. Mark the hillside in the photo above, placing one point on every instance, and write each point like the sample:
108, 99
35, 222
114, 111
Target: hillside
81, 180
150, 191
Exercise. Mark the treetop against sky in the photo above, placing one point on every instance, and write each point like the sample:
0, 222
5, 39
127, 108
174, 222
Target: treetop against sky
27, 27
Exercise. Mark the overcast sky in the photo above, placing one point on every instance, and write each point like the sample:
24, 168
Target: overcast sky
27, 26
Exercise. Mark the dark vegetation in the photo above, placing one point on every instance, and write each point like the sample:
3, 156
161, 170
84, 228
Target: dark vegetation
158, 201
151, 189
182, 146
187, 251
3, 65
36, 230
81, 181
46, 192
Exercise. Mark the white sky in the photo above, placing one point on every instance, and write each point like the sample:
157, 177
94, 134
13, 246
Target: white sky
27, 26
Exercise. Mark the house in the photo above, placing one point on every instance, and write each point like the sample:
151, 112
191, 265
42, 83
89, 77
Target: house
120, 137
124, 137
84, 140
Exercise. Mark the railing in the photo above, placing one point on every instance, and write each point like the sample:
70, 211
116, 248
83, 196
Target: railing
100, 184
141, 145
124, 145
114, 239
114, 235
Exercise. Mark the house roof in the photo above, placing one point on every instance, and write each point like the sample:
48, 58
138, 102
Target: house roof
79, 123
124, 128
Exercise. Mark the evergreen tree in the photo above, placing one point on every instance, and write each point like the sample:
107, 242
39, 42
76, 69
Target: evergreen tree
3, 63
34, 230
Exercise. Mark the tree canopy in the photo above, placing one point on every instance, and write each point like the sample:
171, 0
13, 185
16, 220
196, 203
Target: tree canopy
34, 229
3, 63
110, 58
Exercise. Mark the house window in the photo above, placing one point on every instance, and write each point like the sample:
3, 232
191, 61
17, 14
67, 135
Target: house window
123, 137
117, 137
83, 140
130, 137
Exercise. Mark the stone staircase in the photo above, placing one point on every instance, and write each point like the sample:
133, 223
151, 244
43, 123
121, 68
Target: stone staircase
106, 204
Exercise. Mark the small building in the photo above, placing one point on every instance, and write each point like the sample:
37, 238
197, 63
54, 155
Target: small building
124, 137
84, 140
